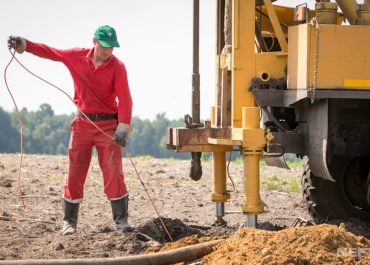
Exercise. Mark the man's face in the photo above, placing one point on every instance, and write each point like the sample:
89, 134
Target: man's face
101, 53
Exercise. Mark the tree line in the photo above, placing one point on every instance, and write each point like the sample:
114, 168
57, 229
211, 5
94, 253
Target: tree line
47, 133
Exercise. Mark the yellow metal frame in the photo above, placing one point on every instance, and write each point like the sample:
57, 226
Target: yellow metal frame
246, 64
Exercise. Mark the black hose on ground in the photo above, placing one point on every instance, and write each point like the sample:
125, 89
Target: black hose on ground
184, 254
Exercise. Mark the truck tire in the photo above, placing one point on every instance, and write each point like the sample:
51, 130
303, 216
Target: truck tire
327, 200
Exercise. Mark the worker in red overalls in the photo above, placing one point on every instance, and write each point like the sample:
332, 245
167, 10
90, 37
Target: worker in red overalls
102, 93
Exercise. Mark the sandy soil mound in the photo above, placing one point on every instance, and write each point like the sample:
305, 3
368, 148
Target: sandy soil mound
187, 241
306, 245
355, 226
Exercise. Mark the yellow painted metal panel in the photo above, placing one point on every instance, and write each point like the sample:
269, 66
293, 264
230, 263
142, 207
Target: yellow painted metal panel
254, 138
356, 83
272, 63
298, 54
226, 142
343, 55
251, 117
243, 58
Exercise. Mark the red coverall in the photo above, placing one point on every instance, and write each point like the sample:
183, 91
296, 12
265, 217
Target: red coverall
95, 92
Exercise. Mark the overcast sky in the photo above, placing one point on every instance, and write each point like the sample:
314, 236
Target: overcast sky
156, 47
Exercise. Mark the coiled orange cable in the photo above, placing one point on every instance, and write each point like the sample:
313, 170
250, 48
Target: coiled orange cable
19, 188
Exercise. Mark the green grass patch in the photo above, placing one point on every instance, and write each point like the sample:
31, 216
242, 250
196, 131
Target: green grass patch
274, 183
172, 159
294, 185
146, 157
295, 164
281, 183
239, 161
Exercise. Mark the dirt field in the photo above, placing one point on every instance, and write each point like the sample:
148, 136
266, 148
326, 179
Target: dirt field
184, 204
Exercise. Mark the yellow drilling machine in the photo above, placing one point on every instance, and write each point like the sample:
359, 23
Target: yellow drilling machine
288, 80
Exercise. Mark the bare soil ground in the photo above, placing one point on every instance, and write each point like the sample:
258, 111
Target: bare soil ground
32, 232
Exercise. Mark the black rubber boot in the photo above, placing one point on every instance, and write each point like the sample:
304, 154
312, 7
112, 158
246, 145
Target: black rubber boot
70, 218
120, 214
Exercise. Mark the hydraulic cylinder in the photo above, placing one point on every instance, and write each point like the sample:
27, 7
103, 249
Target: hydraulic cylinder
220, 194
253, 141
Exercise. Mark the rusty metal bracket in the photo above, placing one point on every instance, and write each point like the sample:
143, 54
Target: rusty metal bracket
196, 139
189, 122
300, 222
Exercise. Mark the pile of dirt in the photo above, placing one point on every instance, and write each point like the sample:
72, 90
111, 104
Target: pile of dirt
220, 231
322, 244
355, 226
184, 242
199, 234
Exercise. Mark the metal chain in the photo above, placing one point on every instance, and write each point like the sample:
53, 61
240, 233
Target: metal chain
315, 23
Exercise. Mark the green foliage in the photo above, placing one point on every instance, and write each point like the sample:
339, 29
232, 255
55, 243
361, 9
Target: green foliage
295, 164
293, 161
43, 131
149, 137
9, 136
47, 133
239, 161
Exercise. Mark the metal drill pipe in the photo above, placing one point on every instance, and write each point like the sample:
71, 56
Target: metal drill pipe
195, 105
196, 168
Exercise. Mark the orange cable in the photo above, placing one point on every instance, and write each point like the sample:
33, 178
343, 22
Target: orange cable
98, 128
150, 198
19, 188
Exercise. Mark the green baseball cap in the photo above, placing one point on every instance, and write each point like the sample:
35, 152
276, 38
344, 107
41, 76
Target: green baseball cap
107, 36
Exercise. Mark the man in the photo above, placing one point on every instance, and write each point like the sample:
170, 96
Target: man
101, 91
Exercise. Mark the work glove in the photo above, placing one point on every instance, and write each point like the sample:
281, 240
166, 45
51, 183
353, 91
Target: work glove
17, 43
122, 132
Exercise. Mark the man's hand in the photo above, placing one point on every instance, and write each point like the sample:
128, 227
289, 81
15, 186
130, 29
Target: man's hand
17, 43
121, 134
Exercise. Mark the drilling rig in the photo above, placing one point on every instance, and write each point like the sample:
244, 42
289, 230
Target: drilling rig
288, 80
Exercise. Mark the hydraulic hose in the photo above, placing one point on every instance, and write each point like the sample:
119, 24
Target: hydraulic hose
183, 254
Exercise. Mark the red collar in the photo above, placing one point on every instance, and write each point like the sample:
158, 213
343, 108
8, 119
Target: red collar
89, 59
